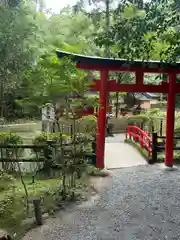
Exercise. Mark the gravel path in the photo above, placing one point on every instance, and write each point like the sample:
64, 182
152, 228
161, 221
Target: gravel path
138, 203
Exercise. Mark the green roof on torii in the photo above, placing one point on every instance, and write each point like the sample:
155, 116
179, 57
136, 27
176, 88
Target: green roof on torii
118, 63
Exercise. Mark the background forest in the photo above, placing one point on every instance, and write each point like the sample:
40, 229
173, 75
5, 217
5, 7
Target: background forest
31, 74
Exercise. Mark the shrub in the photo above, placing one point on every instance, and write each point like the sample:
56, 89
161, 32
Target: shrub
177, 131
83, 138
10, 138
90, 123
6, 181
138, 120
12, 210
43, 137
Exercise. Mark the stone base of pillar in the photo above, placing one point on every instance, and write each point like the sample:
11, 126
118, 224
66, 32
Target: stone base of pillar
168, 168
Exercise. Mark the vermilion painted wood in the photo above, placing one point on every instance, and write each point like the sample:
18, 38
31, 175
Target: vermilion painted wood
86, 66
139, 77
139, 67
141, 136
113, 86
170, 120
101, 133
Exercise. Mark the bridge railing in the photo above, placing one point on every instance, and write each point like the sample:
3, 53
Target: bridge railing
137, 135
153, 145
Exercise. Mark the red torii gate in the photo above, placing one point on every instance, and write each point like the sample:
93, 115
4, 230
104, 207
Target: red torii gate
104, 65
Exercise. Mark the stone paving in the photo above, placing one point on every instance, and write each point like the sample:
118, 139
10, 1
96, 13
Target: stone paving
119, 154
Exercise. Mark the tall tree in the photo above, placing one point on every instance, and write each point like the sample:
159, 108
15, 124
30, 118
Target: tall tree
148, 32
18, 29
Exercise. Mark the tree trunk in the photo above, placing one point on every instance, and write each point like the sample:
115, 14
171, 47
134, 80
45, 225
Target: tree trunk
2, 98
107, 26
107, 30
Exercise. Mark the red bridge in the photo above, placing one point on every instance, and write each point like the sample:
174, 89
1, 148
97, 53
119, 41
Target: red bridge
130, 149
137, 135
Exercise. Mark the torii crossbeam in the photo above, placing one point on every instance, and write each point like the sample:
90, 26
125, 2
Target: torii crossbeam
105, 65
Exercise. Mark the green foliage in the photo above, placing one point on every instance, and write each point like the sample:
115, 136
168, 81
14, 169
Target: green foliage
177, 131
6, 181
10, 138
35, 75
13, 201
18, 30
149, 120
154, 112
138, 120
89, 123
141, 117
11, 210
44, 136
84, 139
176, 158
148, 31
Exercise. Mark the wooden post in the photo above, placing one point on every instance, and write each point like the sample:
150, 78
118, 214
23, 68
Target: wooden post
139, 77
94, 151
161, 127
142, 125
101, 133
152, 130
154, 148
170, 119
71, 131
37, 211
33, 179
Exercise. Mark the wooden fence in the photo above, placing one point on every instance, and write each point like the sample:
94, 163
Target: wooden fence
11, 153
158, 147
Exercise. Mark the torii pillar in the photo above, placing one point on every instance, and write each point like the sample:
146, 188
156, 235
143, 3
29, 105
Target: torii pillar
171, 102
101, 131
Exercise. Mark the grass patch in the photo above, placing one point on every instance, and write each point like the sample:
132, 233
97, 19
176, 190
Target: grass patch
161, 157
13, 202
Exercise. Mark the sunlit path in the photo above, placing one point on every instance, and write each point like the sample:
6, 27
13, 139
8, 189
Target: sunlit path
119, 154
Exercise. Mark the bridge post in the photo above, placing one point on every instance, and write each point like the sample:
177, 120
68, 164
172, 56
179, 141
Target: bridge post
101, 132
170, 120
154, 148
